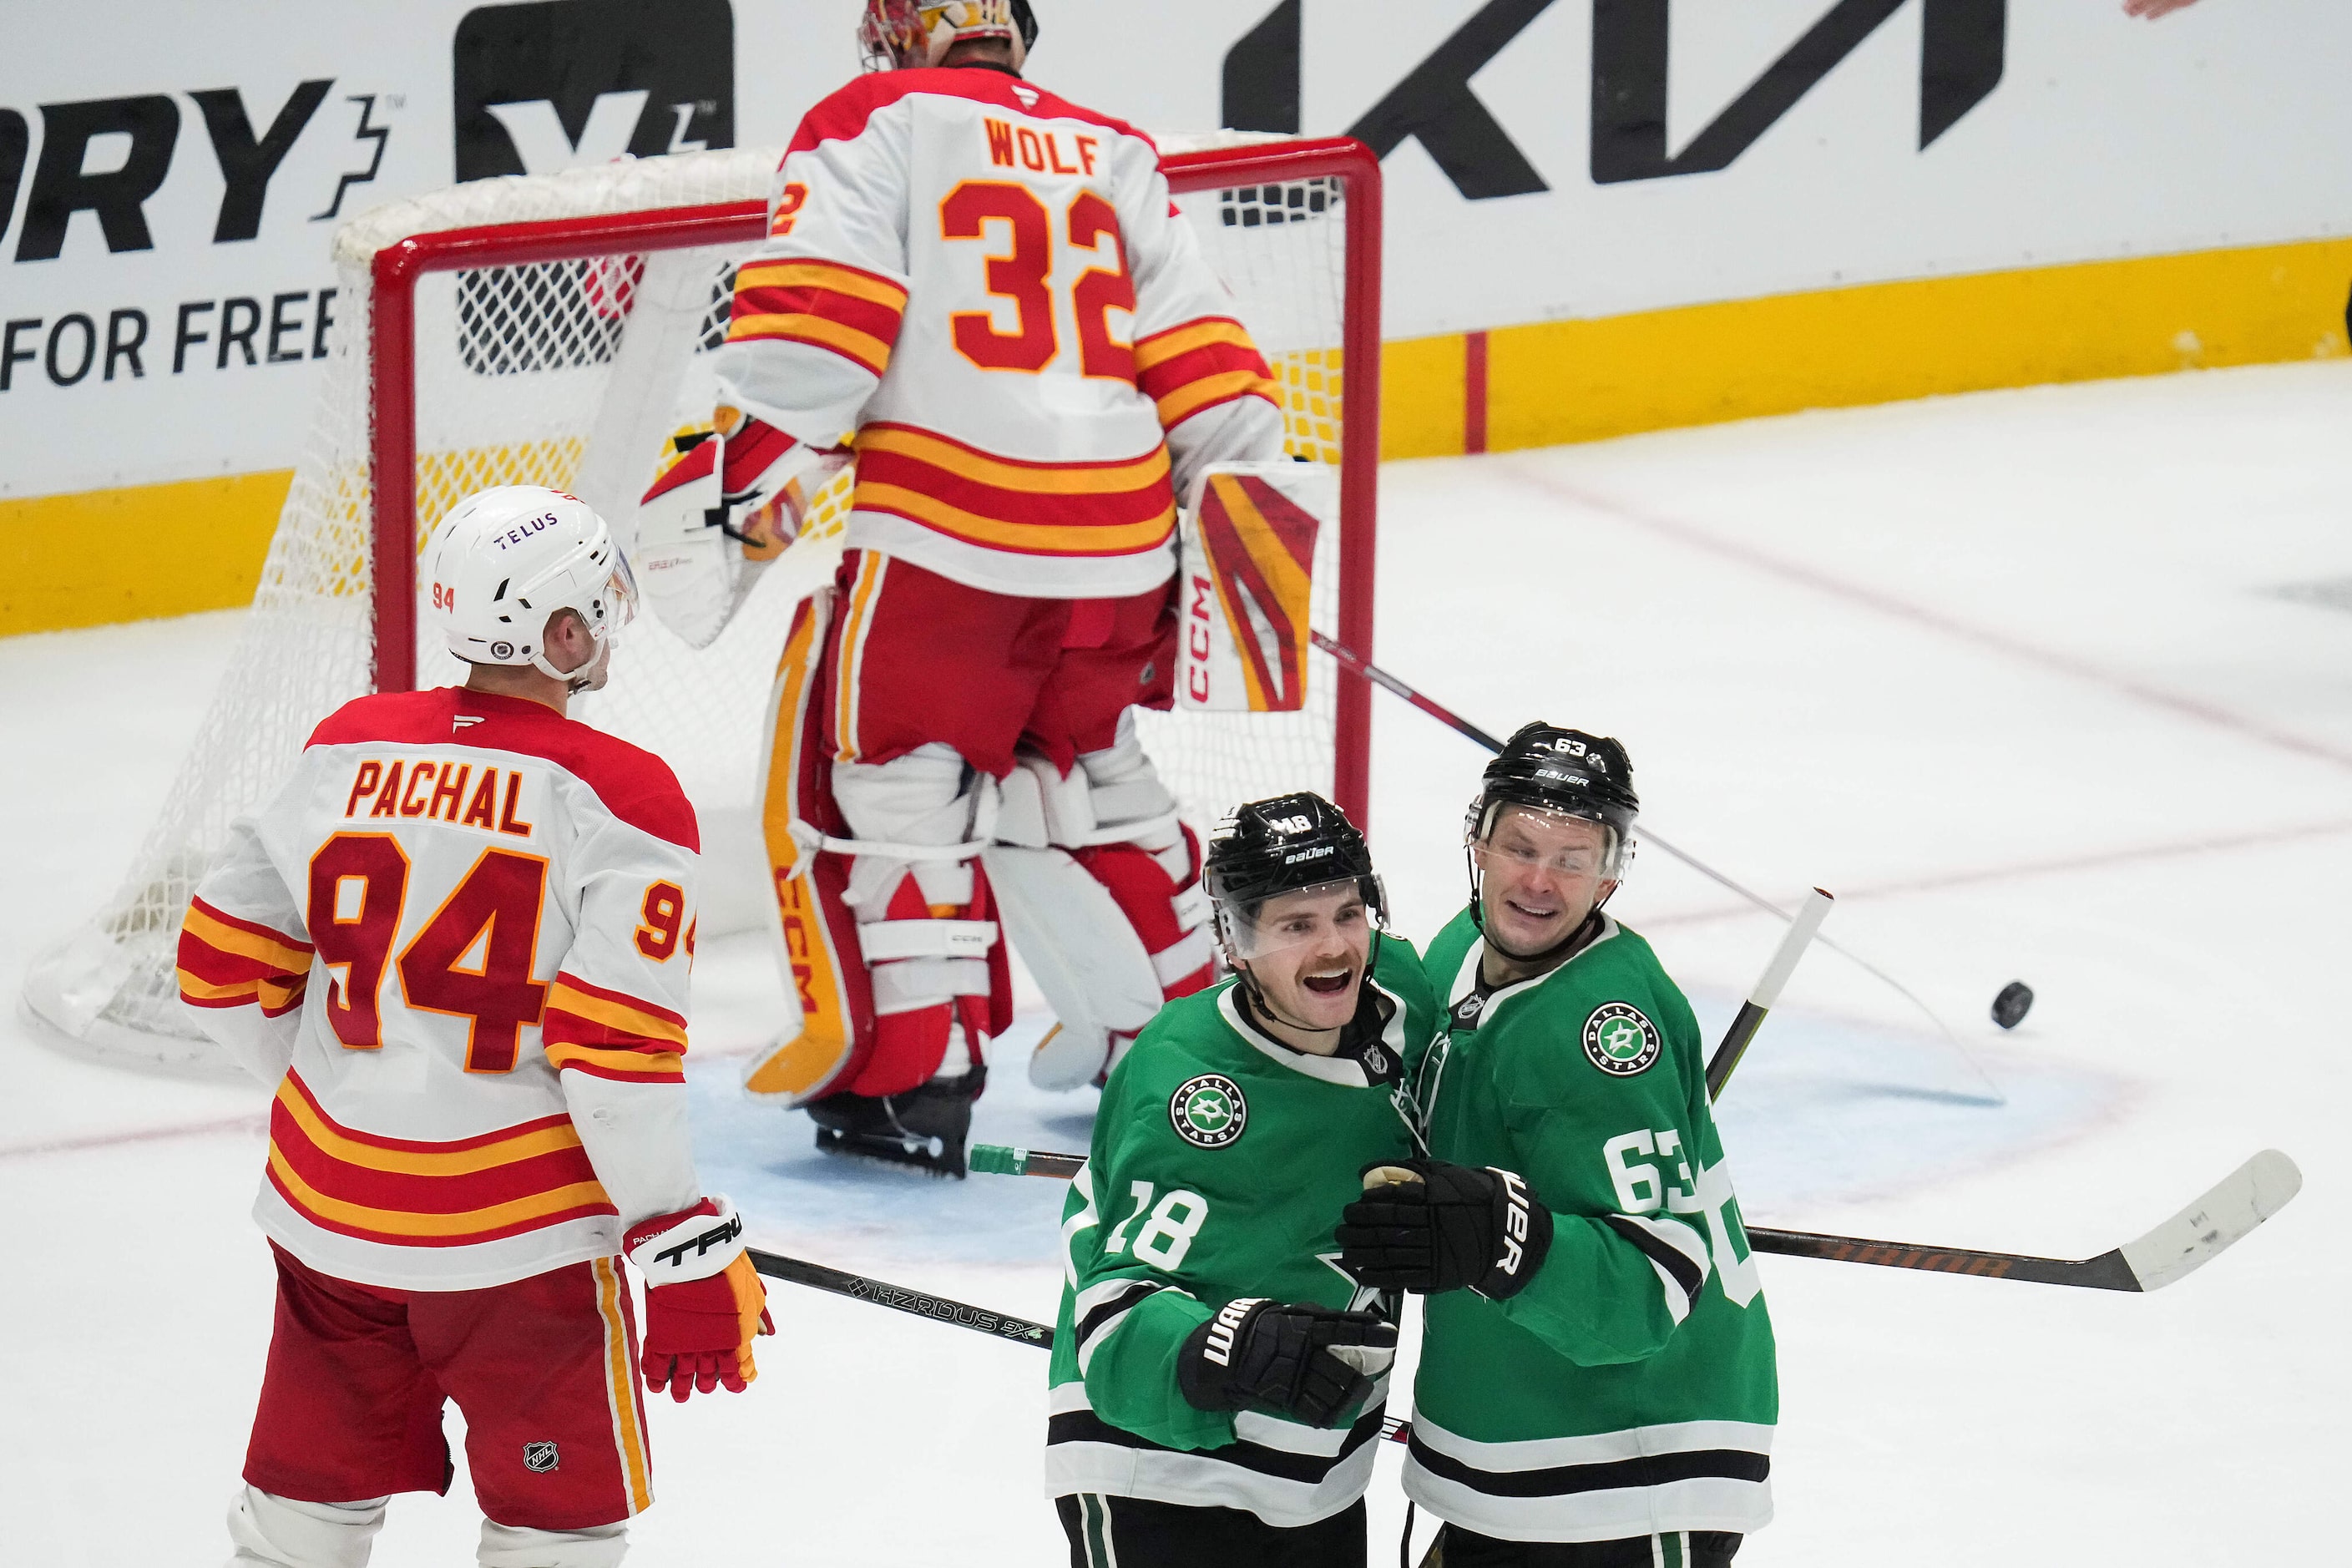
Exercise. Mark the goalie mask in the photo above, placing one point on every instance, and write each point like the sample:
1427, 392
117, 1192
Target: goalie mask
901, 35
504, 560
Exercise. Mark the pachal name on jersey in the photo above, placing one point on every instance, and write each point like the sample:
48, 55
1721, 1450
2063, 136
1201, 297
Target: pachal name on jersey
438, 791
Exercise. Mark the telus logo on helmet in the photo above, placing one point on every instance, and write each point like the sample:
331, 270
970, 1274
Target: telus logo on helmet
523, 531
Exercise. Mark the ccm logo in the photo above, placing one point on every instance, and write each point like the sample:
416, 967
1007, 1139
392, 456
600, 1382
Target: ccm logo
1197, 638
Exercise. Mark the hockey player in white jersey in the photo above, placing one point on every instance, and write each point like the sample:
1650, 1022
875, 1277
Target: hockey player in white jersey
457, 942
984, 293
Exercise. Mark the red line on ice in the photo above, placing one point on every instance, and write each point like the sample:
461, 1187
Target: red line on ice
252, 1122
1904, 609
2090, 862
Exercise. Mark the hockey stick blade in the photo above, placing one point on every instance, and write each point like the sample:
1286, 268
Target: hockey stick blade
2193, 1238
921, 1304
2182, 1245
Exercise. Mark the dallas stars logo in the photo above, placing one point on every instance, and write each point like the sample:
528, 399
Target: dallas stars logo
1208, 1110
1619, 1040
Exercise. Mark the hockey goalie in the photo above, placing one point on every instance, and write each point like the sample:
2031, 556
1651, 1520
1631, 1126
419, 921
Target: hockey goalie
983, 295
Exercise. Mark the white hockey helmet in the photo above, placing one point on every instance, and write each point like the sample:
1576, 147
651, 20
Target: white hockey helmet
506, 559
901, 35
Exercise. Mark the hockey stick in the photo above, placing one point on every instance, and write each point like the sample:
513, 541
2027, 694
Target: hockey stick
1356, 663
939, 1309
1760, 1000
2182, 1245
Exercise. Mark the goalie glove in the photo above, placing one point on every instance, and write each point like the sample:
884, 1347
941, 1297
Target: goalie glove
718, 515
704, 1301
1311, 1363
1426, 1226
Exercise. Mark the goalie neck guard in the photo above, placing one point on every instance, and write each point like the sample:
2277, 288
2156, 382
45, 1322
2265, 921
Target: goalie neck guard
902, 35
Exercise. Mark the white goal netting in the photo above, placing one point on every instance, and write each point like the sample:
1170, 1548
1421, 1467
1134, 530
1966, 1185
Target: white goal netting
576, 374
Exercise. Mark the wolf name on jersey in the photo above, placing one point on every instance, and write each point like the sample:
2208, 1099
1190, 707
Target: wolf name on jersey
1219, 1163
1630, 1389
991, 287
495, 906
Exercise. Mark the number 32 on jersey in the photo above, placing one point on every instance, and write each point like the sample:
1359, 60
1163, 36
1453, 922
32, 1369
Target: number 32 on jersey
1010, 215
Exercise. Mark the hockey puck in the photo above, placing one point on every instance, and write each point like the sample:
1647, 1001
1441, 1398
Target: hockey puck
2009, 1008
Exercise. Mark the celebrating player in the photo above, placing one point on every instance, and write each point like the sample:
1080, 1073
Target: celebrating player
1217, 1381
457, 942
985, 290
1597, 1365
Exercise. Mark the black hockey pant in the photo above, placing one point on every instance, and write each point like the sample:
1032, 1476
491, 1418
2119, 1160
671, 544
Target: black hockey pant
1458, 1548
1131, 1532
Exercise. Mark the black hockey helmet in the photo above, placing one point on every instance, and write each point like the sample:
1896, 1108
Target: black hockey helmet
1565, 771
1281, 845
1285, 845
1026, 20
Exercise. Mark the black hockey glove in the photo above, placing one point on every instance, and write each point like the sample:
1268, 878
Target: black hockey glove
1425, 1225
1311, 1363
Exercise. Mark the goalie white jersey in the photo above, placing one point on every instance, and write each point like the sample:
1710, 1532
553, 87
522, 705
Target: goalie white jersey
989, 288
457, 940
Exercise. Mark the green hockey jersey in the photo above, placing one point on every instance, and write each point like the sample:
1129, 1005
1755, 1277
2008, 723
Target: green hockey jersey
1630, 1388
1219, 1163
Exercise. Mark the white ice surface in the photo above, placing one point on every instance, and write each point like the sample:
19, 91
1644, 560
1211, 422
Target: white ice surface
2011, 675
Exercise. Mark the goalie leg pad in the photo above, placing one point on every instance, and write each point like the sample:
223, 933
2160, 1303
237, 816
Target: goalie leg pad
817, 931
926, 925
1101, 886
1094, 970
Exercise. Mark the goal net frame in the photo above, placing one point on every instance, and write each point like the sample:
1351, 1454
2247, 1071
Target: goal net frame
398, 268
335, 614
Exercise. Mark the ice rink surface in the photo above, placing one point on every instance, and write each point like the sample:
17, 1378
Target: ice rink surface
2053, 685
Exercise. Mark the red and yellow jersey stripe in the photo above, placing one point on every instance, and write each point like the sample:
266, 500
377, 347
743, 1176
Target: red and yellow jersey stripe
1116, 507
1199, 365
402, 1193
586, 1028
854, 313
225, 962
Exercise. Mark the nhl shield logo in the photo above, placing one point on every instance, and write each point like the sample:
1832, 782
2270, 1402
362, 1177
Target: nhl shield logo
538, 1458
1208, 1110
1619, 1040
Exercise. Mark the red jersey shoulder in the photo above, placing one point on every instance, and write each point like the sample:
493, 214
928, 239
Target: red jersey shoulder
403, 718
634, 785
844, 115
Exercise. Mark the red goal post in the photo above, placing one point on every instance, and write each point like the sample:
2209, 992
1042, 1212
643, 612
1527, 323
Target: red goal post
392, 378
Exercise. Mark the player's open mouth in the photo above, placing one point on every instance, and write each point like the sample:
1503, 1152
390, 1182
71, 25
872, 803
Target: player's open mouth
1328, 984
1524, 912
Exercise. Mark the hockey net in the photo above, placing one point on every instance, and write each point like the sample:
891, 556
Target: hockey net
556, 329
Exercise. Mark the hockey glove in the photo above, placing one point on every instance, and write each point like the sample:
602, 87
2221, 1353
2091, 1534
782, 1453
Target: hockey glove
718, 515
1309, 1362
703, 1300
1425, 1225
